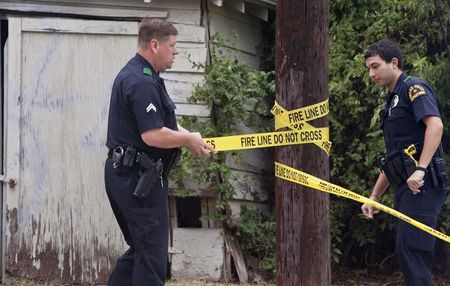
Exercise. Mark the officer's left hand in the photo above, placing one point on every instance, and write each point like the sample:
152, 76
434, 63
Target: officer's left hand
415, 181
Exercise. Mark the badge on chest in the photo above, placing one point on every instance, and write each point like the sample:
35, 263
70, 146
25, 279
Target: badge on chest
393, 103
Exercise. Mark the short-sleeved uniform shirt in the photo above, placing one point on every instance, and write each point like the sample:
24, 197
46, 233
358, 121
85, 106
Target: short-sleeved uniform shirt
139, 102
411, 101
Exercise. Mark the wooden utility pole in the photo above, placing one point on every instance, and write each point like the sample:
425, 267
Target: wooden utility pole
303, 222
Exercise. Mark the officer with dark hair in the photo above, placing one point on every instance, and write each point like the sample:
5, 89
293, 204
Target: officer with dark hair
143, 141
414, 160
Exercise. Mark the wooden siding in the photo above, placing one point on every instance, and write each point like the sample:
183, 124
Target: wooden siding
242, 30
175, 11
117, 4
254, 170
256, 8
59, 222
83, 11
12, 141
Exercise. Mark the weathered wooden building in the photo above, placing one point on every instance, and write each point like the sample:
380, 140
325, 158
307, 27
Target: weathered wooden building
58, 61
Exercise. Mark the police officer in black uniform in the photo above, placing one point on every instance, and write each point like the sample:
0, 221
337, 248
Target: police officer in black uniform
414, 160
143, 141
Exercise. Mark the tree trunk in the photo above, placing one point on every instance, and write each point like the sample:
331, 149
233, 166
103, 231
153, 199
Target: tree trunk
303, 222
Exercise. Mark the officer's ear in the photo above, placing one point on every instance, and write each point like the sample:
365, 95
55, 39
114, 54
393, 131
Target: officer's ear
394, 63
153, 46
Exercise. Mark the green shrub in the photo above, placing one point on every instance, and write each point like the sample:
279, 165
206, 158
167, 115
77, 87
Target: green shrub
256, 235
235, 93
419, 27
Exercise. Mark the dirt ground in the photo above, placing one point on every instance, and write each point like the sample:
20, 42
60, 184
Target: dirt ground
342, 278
368, 278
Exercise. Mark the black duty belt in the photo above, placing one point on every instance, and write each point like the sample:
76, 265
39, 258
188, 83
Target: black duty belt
400, 166
128, 156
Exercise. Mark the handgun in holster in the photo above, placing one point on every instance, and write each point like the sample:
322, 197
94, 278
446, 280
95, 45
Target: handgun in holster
438, 163
149, 174
433, 175
441, 173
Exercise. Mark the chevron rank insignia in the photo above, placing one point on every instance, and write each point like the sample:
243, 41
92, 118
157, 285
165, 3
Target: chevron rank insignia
415, 91
151, 107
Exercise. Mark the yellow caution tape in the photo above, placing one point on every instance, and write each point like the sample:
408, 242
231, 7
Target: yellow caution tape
293, 175
294, 118
284, 118
302, 133
269, 139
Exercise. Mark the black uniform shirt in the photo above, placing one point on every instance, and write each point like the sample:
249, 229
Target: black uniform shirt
411, 101
139, 102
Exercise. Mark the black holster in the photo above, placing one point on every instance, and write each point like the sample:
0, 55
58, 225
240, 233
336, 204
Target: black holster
149, 174
437, 164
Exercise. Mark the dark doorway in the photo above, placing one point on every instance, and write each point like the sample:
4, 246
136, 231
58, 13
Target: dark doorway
189, 211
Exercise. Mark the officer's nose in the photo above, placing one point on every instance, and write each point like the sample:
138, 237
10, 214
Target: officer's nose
371, 73
175, 51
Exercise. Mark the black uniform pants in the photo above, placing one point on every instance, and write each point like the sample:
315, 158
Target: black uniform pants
144, 224
414, 247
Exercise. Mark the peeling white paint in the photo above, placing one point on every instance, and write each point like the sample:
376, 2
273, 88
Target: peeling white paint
64, 217
58, 130
37, 264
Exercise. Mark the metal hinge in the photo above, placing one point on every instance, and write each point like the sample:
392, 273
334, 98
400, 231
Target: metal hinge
11, 182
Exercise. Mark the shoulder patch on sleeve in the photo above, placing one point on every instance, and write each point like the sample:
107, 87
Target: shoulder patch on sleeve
147, 71
415, 91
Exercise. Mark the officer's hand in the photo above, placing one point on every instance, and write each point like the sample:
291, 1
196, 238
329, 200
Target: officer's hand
198, 147
415, 181
369, 211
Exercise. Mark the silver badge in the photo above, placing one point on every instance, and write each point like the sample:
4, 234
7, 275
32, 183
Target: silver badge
394, 101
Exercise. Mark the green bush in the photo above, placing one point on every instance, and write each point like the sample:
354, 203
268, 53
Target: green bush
420, 28
235, 93
256, 235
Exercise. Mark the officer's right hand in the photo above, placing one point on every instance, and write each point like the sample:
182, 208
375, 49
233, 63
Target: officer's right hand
198, 147
369, 211
415, 181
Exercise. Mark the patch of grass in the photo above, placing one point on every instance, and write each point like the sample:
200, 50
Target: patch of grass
13, 281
